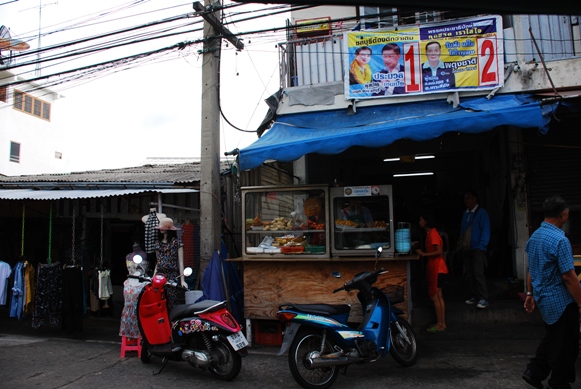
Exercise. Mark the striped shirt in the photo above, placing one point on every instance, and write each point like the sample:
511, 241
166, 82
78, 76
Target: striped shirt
550, 255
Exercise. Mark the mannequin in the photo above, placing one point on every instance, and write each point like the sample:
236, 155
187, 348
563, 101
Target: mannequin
131, 289
169, 252
134, 268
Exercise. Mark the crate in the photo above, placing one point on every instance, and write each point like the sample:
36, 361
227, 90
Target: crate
267, 332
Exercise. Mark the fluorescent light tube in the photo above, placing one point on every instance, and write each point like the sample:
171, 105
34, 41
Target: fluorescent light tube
414, 174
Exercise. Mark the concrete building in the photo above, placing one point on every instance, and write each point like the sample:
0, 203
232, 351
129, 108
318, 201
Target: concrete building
31, 139
333, 135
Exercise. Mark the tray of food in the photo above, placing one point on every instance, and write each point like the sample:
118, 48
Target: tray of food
298, 249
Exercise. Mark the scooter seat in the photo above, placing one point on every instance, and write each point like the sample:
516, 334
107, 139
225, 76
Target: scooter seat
321, 309
185, 310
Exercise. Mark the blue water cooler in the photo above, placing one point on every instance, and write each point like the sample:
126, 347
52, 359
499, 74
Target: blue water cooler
403, 244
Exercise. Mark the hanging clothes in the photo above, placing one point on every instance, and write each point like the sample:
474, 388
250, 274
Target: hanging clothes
94, 291
150, 231
105, 286
48, 297
179, 231
131, 290
16, 305
5, 272
29, 272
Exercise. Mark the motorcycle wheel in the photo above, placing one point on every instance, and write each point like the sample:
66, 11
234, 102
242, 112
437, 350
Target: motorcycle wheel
304, 344
226, 363
145, 354
404, 351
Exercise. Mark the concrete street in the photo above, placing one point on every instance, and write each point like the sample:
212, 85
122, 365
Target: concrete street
465, 356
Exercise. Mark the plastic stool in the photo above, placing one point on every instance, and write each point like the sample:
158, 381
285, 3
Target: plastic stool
130, 344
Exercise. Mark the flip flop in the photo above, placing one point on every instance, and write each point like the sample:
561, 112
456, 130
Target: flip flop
435, 330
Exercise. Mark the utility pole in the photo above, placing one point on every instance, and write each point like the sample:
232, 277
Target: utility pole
210, 197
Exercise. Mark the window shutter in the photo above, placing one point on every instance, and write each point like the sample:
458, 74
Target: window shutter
14, 152
27, 103
37, 107
46, 111
18, 96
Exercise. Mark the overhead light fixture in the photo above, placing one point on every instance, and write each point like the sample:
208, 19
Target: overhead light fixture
408, 158
413, 174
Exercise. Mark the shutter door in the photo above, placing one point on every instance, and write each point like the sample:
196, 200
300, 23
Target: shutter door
553, 164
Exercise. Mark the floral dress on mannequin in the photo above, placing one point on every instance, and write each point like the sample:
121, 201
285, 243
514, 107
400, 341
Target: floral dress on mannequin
131, 290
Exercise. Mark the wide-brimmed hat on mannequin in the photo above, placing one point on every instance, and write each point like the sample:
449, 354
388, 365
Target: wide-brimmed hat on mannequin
166, 224
159, 216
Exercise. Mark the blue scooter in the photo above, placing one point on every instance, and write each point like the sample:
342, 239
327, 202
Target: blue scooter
319, 341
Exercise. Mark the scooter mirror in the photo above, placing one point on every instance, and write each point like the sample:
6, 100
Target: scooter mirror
378, 252
188, 271
336, 274
137, 259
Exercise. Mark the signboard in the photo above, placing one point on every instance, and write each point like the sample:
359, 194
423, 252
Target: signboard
356, 191
314, 27
464, 55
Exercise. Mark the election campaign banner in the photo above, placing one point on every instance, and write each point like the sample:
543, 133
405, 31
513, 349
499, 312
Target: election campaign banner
463, 55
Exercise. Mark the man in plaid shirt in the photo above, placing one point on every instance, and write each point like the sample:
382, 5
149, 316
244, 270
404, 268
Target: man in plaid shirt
552, 285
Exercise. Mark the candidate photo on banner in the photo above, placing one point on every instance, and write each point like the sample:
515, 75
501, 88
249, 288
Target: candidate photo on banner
436, 74
390, 80
375, 63
463, 55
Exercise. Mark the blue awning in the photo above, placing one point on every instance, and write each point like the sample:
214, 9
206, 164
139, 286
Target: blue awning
332, 132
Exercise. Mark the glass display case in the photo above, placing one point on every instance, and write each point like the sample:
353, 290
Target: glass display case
363, 220
285, 221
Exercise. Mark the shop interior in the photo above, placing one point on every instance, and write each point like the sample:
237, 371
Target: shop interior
452, 164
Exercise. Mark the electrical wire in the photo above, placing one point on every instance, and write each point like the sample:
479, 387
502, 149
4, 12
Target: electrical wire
262, 35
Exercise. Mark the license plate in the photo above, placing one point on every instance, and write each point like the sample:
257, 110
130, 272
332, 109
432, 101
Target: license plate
238, 340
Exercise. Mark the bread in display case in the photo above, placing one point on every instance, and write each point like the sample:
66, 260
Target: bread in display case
362, 220
286, 221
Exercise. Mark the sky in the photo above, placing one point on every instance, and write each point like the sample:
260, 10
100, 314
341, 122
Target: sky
152, 110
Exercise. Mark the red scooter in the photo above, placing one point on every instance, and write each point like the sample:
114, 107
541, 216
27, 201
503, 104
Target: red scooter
204, 334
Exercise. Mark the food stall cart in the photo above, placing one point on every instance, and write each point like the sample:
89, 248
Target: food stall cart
295, 236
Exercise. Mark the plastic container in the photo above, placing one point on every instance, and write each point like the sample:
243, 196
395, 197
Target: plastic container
403, 238
193, 295
268, 332
315, 249
292, 249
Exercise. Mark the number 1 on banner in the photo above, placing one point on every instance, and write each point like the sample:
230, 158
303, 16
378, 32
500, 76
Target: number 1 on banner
413, 72
487, 62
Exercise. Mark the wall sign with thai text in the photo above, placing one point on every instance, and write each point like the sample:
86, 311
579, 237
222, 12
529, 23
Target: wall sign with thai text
464, 55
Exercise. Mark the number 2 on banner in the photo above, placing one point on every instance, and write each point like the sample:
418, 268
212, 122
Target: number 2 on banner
413, 73
487, 62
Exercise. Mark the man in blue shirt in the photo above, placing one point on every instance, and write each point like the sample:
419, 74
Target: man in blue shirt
552, 285
475, 259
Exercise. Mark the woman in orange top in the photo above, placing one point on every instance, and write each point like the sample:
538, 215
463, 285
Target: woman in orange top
436, 270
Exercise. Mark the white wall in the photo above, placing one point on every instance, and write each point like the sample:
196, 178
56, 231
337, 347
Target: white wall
334, 12
39, 139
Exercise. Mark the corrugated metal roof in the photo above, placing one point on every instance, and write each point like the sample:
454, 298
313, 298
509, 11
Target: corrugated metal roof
31, 194
171, 174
